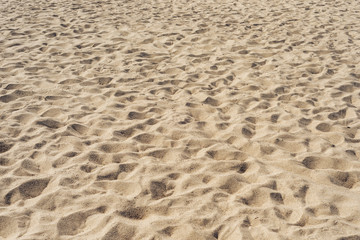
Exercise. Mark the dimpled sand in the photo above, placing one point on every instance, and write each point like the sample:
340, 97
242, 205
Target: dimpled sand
194, 120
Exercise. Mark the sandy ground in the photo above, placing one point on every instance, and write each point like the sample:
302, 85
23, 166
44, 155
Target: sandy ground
179, 119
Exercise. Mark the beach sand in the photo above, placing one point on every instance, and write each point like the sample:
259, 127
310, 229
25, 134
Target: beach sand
179, 119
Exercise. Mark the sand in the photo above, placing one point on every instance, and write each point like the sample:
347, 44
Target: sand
179, 119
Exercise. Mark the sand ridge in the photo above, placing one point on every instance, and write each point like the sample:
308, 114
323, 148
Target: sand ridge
179, 119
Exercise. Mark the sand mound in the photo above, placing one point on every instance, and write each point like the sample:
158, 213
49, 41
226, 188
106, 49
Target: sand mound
179, 119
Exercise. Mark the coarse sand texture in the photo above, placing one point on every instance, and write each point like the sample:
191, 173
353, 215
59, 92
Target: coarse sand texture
180, 120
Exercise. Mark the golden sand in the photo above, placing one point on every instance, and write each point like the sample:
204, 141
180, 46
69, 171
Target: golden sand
179, 119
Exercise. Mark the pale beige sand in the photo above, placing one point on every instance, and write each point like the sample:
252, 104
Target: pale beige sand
179, 119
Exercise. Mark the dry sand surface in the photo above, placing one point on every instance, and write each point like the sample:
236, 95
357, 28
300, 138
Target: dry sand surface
198, 119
